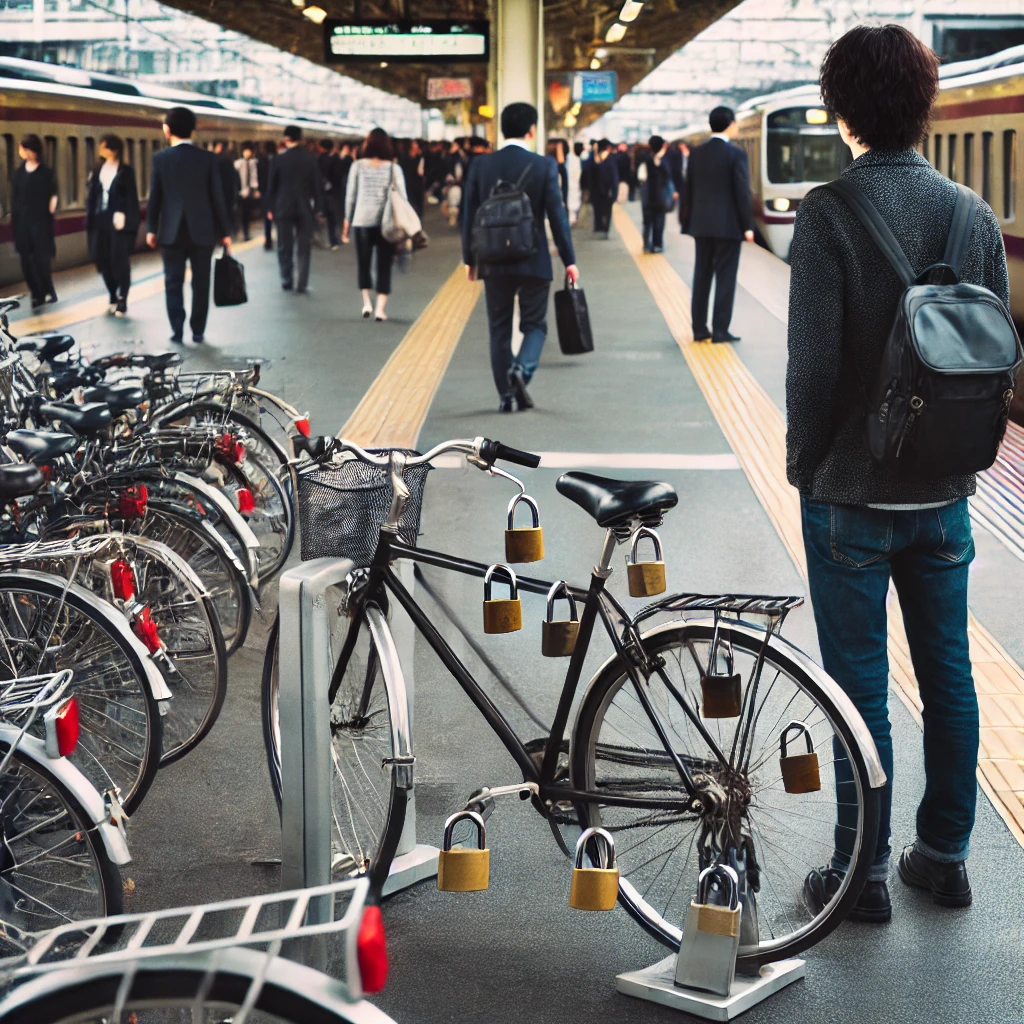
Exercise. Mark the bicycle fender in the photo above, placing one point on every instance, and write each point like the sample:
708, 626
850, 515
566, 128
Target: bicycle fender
80, 787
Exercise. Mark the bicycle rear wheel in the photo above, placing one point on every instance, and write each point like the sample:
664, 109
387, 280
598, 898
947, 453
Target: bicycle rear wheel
616, 749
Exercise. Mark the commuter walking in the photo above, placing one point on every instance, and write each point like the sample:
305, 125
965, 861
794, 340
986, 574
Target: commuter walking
295, 199
720, 218
112, 220
229, 181
263, 177
624, 162
329, 165
604, 186
413, 167
33, 204
865, 524
186, 218
248, 171
368, 183
574, 170
657, 193
530, 278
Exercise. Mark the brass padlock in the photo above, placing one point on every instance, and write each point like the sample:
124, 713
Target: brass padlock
462, 870
722, 696
558, 638
595, 888
711, 933
524, 543
502, 615
645, 578
800, 772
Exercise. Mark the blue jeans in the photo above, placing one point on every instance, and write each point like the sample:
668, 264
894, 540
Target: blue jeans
500, 291
852, 551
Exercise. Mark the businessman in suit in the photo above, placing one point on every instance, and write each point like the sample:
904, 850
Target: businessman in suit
295, 200
604, 186
720, 218
529, 279
186, 218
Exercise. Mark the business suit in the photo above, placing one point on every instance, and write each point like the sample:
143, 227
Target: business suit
331, 175
110, 247
604, 190
188, 216
295, 197
530, 279
719, 213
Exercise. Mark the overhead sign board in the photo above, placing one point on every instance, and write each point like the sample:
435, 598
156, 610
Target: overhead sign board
449, 89
595, 86
425, 41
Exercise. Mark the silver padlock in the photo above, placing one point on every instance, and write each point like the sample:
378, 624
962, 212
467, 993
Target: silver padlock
711, 935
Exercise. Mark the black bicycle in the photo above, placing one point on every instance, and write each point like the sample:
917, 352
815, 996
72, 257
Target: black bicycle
691, 745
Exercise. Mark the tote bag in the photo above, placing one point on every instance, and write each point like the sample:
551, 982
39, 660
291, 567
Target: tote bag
573, 321
228, 282
399, 221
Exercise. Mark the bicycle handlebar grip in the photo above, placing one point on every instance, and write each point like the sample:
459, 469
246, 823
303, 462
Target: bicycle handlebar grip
494, 450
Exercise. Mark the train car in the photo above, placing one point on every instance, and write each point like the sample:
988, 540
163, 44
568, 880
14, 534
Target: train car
792, 144
71, 109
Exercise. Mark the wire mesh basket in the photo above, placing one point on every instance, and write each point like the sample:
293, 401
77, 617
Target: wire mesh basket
342, 508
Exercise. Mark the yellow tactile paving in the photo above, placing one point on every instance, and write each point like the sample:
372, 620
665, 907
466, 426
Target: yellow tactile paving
755, 428
393, 410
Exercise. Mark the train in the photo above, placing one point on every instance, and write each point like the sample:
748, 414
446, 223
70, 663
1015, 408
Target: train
70, 109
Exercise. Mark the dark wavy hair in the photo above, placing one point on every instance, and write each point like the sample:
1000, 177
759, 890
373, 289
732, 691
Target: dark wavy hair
378, 145
882, 82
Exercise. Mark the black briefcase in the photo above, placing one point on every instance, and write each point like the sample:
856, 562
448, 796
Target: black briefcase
573, 321
229, 282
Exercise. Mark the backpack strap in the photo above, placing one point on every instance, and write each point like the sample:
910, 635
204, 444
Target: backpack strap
960, 228
523, 176
864, 210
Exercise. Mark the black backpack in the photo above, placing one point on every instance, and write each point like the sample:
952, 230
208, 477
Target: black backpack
942, 396
504, 228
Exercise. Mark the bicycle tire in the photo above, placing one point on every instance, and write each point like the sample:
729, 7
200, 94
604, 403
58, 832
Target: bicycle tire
268, 711
586, 737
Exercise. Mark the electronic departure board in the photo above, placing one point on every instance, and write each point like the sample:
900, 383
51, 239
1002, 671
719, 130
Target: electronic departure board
433, 41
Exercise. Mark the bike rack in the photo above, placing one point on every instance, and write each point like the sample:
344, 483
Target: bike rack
306, 768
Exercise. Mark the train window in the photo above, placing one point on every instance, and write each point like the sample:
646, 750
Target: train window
1009, 174
924, 148
8, 148
986, 167
938, 153
969, 159
143, 169
951, 150
72, 178
90, 156
50, 146
129, 156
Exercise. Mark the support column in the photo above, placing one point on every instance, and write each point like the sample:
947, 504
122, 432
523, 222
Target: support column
519, 58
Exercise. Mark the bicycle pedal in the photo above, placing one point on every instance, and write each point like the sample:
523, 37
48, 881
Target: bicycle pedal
722, 696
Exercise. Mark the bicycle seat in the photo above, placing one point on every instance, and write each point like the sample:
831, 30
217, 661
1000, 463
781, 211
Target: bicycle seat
616, 502
46, 346
162, 361
82, 419
120, 397
18, 480
41, 445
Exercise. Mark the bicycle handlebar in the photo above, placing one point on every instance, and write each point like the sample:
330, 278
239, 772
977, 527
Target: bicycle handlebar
492, 451
480, 450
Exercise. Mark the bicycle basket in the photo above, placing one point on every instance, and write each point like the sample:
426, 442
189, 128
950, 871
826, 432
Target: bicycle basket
342, 508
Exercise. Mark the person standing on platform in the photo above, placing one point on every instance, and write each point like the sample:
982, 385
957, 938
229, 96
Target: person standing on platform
229, 181
529, 280
112, 220
604, 186
574, 169
33, 204
186, 218
329, 164
721, 216
679, 160
368, 184
657, 193
413, 167
295, 199
248, 171
263, 172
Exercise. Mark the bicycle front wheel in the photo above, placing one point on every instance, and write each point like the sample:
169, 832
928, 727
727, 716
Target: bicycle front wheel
619, 748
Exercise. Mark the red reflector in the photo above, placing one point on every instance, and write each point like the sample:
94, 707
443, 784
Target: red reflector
302, 426
46, 471
122, 579
133, 502
146, 630
67, 727
231, 448
372, 951
246, 502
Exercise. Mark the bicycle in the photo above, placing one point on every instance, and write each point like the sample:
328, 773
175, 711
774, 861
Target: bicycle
644, 759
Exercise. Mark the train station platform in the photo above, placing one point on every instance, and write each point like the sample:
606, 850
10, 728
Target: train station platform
647, 403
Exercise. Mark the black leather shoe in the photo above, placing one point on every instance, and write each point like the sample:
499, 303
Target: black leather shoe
177, 339
719, 338
948, 883
873, 905
517, 383
702, 337
286, 286
505, 405
197, 338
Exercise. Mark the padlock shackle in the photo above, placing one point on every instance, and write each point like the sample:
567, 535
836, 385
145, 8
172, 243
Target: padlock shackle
638, 535
561, 587
606, 854
800, 727
727, 879
513, 581
449, 829
530, 503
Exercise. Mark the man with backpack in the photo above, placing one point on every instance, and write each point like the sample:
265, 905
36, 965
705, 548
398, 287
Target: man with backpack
507, 196
897, 390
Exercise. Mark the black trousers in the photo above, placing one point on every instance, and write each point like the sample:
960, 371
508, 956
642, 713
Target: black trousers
294, 239
654, 229
247, 206
717, 259
268, 230
331, 212
35, 268
368, 239
602, 213
113, 257
175, 258
500, 291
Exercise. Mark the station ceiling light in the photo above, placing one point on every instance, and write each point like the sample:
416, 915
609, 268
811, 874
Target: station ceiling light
615, 32
315, 14
601, 53
630, 10
816, 115
595, 64
299, 3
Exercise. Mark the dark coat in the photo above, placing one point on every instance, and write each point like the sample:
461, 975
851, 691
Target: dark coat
718, 191
229, 179
541, 185
657, 191
186, 186
123, 198
843, 297
32, 221
332, 176
603, 180
295, 188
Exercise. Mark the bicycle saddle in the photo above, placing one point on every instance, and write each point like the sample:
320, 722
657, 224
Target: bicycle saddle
46, 346
82, 419
616, 502
41, 445
120, 397
159, 362
18, 480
